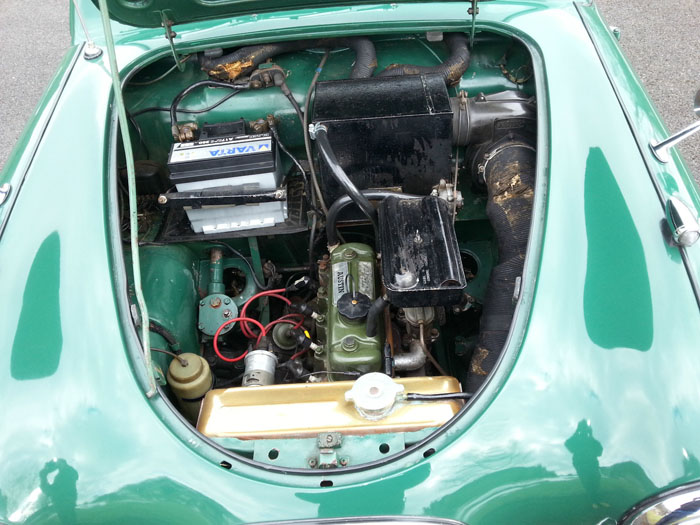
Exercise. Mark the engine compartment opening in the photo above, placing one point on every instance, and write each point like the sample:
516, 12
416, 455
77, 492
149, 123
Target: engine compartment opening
331, 234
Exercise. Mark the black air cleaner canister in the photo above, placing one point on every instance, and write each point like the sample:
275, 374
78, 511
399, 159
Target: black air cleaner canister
421, 263
387, 132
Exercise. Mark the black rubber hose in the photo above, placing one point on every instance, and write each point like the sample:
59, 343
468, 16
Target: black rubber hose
246, 59
451, 69
365, 56
166, 334
375, 310
342, 202
509, 172
438, 397
326, 151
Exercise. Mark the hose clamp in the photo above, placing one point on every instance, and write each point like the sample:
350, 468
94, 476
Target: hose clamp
315, 128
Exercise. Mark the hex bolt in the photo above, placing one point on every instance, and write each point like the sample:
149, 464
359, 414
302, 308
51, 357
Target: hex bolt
227, 301
313, 462
350, 343
215, 302
343, 462
228, 314
350, 254
202, 303
200, 326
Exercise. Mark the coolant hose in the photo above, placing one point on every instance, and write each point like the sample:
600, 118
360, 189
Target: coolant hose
324, 147
246, 59
451, 69
343, 202
509, 173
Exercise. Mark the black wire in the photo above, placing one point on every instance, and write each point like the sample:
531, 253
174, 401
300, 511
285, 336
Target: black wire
166, 334
140, 134
294, 103
353, 374
246, 261
230, 382
189, 89
307, 187
312, 236
438, 397
182, 360
189, 111
275, 134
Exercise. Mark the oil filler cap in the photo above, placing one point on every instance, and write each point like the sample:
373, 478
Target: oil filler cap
354, 306
374, 395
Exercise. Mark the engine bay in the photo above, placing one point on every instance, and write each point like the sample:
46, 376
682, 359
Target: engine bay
331, 235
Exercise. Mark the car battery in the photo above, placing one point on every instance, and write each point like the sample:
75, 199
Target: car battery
224, 157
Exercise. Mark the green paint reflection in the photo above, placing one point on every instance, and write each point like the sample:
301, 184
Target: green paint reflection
38, 342
617, 295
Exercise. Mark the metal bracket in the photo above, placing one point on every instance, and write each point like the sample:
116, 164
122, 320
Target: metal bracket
218, 197
328, 445
473, 10
660, 149
170, 35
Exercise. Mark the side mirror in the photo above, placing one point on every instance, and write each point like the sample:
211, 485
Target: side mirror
660, 149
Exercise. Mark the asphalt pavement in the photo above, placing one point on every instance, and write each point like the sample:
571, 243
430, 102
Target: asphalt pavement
662, 43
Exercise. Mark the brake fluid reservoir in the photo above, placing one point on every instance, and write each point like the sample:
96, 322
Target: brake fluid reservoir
350, 279
189, 380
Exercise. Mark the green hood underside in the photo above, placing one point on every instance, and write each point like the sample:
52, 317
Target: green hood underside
152, 13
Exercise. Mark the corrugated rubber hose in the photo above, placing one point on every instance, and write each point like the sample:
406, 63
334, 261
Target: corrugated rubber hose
509, 174
451, 69
246, 59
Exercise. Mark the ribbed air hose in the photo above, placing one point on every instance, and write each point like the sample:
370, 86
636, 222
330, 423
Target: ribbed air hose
509, 174
244, 60
451, 69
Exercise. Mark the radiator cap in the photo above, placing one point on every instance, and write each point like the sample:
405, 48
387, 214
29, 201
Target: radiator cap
374, 395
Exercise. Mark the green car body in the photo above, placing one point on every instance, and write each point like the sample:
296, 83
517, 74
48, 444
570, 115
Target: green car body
594, 407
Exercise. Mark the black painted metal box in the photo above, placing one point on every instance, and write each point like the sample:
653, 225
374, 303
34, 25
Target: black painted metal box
421, 263
387, 132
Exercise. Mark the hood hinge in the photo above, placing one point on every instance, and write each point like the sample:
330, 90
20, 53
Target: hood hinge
473, 10
170, 35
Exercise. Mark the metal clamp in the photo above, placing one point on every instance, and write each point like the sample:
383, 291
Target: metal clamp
315, 128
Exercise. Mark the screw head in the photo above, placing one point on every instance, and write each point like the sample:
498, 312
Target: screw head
228, 314
313, 462
162, 199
